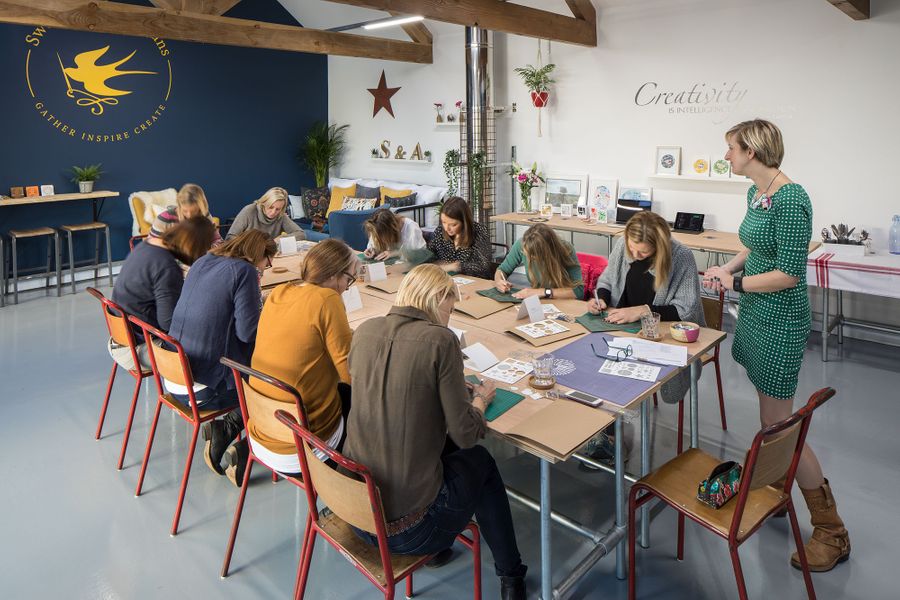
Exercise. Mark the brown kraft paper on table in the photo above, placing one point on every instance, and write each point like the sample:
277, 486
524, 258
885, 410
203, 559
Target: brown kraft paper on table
575, 329
479, 307
561, 428
388, 286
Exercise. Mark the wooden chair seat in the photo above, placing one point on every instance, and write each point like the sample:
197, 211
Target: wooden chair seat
677, 482
29, 233
366, 555
186, 410
84, 226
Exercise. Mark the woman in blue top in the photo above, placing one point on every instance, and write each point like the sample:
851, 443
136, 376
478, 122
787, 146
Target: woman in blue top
550, 265
774, 318
217, 315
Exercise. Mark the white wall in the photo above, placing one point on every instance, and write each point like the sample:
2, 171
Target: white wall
829, 82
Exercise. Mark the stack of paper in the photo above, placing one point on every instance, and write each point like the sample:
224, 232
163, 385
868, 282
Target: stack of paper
653, 352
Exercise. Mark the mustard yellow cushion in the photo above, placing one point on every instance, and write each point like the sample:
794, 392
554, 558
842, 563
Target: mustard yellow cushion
337, 197
386, 191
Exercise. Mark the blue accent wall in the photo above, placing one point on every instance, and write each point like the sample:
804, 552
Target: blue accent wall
232, 122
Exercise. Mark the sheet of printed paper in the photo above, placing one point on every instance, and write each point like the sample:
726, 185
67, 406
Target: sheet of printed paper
377, 272
287, 245
509, 370
629, 369
463, 280
542, 328
478, 357
664, 354
352, 299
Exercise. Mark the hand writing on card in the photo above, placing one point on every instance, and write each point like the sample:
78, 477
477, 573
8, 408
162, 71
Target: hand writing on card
502, 286
596, 306
369, 252
486, 391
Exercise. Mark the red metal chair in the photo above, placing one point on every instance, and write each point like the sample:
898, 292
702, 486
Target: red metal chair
592, 267
135, 240
775, 453
355, 500
172, 365
254, 396
121, 333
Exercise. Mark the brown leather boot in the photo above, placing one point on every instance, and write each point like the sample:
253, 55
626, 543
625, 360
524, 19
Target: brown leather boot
830, 543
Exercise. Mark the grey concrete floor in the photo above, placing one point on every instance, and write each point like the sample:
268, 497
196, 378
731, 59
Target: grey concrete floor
72, 528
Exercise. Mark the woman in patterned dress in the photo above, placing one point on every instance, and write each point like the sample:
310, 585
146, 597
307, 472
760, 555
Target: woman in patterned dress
459, 244
774, 319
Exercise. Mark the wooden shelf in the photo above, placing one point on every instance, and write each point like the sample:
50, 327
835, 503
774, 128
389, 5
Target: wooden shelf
6, 201
445, 126
693, 178
403, 160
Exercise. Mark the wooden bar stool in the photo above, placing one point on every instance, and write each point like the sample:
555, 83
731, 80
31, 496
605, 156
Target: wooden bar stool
52, 246
96, 227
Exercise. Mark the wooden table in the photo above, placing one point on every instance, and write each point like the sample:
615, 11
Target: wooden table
92, 196
571, 224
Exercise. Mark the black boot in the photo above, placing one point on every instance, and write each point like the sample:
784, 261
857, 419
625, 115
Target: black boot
512, 588
218, 436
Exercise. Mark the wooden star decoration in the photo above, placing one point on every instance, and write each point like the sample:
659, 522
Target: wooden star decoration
383, 96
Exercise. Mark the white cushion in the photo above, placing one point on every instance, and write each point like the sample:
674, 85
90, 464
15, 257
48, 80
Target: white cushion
296, 207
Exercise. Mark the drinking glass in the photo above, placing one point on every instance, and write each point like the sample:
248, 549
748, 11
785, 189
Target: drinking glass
543, 370
650, 325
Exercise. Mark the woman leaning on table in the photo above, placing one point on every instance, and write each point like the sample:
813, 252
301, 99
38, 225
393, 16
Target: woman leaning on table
774, 318
390, 235
551, 266
269, 215
303, 339
648, 271
459, 243
409, 396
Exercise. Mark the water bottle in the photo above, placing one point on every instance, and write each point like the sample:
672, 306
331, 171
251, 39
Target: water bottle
895, 235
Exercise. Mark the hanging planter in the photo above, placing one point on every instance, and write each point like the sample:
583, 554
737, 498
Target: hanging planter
537, 80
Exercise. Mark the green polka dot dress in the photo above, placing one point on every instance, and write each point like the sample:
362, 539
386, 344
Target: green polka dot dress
772, 327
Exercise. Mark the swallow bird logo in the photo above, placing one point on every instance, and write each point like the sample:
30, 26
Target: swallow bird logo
96, 93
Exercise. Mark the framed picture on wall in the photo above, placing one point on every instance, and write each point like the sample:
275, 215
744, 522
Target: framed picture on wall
668, 160
720, 169
602, 191
565, 189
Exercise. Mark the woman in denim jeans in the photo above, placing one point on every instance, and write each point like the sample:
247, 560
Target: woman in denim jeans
409, 396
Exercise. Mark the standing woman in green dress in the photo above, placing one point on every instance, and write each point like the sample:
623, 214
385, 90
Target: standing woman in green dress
774, 319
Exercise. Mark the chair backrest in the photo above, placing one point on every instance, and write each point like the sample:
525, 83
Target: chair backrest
347, 225
592, 267
259, 406
135, 240
116, 323
354, 498
171, 365
139, 202
775, 453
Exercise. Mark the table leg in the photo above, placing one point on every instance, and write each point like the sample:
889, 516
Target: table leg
645, 469
695, 405
840, 316
95, 214
621, 569
546, 570
825, 329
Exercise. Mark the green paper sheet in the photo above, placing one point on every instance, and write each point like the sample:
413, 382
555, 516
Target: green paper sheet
495, 294
503, 400
594, 323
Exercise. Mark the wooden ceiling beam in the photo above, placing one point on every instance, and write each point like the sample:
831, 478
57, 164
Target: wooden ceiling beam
498, 16
126, 19
857, 10
203, 7
583, 9
417, 32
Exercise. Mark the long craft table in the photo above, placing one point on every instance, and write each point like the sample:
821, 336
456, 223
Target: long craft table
490, 332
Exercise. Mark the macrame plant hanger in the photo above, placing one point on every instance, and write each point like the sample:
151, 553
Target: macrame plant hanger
540, 64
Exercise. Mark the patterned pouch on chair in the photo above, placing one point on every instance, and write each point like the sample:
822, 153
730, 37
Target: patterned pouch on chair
721, 485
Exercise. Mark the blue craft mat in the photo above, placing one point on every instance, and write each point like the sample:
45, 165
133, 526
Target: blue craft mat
503, 400
586, 376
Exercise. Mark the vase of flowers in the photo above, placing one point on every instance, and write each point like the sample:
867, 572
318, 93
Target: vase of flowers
461, 110
439, 109
527, 179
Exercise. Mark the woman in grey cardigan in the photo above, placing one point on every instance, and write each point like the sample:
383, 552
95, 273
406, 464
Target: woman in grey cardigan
648, 271
268, 214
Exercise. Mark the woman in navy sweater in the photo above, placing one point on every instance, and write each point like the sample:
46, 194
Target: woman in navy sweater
216, 316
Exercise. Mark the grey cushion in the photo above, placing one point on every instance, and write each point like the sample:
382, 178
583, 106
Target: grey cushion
367, 192
401, 201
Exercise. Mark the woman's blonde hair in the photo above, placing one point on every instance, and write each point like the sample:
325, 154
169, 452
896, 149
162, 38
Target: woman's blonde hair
326, 259
425, 288
549, 257
650, 228
384, 228
252, 245
763, 137
273, 195
192, 194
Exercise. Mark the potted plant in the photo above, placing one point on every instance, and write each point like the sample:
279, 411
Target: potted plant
427, 155
322, 149
537, 80
85, 177
451, 171
374, 152
527, 180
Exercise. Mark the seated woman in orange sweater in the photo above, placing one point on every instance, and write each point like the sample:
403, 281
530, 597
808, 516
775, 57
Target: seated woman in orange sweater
303, 339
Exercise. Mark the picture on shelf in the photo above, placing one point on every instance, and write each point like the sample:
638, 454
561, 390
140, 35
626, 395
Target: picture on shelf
668, 160
700, 165
47, 190
603, 192
563, 189
720, 169
635, 193
582, 211
565, 210
547, 210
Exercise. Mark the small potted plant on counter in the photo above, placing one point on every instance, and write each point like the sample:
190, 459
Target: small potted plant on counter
85, 177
